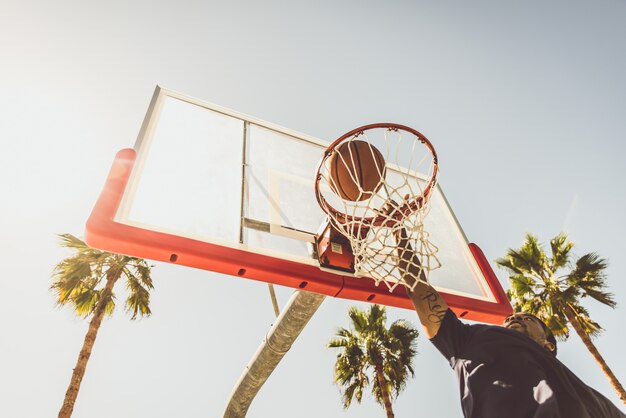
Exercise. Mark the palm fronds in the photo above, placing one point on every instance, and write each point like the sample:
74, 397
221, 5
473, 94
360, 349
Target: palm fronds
369, 345
80, 279
537, 287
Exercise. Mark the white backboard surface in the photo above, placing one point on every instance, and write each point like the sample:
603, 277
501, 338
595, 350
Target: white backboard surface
203, 170
201, 174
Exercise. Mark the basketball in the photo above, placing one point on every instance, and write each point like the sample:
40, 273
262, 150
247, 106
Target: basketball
356, 169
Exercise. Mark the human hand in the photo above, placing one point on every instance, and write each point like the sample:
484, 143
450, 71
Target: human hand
394, 214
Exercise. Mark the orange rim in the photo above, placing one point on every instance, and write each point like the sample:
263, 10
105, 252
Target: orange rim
410, 206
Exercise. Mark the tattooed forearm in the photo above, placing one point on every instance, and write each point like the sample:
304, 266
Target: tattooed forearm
429, 305
435, 306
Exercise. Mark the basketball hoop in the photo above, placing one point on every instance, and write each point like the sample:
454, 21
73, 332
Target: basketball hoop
373, 182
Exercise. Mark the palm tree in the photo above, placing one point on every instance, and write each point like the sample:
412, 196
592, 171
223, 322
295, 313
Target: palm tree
370, 347
540, 287
77, 281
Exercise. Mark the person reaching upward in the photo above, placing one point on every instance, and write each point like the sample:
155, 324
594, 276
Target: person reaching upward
508, 371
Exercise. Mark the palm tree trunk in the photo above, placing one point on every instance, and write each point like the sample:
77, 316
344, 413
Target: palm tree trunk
617, 386
81, 364
383, 390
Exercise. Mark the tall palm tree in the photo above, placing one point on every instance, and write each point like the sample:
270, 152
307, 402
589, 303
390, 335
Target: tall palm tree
370, 347
85, 281
552, 287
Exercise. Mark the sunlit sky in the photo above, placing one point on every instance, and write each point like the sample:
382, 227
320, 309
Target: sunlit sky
524, 101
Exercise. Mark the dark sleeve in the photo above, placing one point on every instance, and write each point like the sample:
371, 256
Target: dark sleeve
608, 409
453, 335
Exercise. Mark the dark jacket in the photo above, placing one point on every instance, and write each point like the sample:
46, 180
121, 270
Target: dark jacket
503, 373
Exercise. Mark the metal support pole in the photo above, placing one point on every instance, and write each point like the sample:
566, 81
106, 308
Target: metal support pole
294, 317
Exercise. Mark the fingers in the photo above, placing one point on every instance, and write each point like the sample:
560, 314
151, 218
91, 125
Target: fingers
391, 206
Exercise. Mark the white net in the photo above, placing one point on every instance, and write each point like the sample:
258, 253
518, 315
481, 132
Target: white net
383, 218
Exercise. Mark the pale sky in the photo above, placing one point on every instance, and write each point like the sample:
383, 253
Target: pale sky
524, 101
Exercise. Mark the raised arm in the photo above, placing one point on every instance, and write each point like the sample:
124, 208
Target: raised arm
428, 303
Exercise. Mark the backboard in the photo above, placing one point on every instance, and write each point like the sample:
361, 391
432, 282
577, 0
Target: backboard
211, 188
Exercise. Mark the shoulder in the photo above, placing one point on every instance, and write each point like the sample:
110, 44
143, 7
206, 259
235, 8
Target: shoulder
454, 336
452, 324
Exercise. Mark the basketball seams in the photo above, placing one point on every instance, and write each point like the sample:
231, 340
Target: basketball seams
379, 162
337, 179
356, 168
